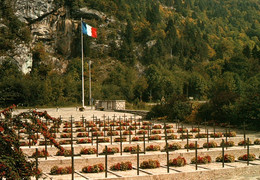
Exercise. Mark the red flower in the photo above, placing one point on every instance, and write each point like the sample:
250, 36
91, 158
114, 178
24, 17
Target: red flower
1, 129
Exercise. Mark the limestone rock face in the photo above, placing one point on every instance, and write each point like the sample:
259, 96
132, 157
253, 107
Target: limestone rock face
27, 10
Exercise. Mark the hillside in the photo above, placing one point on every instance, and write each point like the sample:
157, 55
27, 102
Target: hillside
145, 49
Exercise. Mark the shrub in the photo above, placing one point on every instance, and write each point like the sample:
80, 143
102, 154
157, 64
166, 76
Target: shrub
244, 157
201, 160
169, 126
227, 158
172, 136
94, 129
101, 140
88, 151
64, 153
195, 130
155, 137
150, 164
156, 132
55, 170
228, 143
153, 148
191, 146
231, 134
122, 128
67, 135
178, 162
202, 135
123, 139
211, 144
112, 133
82, 135
147, 123
131, 149
142, 132
132, 127
216, 135
127, 132
111, 150
257, 141
66, 130
170, 131
173, 146
136, 138
184, 136
93, 169
97, 133
123, 166
182, 130
62, 142
41, 153
83, 141
242, 143
145, 127
81, 129
157, 126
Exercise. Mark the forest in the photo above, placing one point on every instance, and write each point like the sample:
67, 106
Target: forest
208, 50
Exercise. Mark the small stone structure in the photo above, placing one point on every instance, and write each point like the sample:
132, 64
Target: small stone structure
110, 104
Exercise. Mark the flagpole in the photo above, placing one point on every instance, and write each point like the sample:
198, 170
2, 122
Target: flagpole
90, 97
82, 60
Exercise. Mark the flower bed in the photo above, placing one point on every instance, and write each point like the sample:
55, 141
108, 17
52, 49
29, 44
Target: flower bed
216, 135
67, 135
101, 140
97, 133
145, 127
84, 141
112, 133
131, 149
93, 169
157, 126
155, 137
90, 124
156, 132
66, 130
78, 124
244, 157
231, 134
211, 144
127, 132
257, 141
41, 153
81, 129
150, 164
142, 132
201, 160
153, 148
195, 130
184, 136
228, 158
63, 142
228, 143
191, 146
132, 128
174, 146
64, 153
123, 139
169, 126
88, 151
111, 150
106, 129
82, 135
172, 136
147, 123
123, 166
178, 162
55, 170
122, 128
202, 135
170, 131
242, 143
136, 138
93, 129
182, 130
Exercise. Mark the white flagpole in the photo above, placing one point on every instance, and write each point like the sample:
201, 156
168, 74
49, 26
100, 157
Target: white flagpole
90, 96
82, 60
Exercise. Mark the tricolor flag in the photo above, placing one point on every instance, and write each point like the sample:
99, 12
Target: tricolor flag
90, 31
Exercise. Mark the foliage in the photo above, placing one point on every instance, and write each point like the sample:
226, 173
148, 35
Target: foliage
179, 161
227, 158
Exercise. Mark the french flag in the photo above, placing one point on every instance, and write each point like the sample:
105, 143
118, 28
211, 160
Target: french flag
87, 29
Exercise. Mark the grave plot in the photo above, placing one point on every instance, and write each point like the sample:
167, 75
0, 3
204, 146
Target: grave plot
119, 140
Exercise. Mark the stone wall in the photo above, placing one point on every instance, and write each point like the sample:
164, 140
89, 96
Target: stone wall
110, 104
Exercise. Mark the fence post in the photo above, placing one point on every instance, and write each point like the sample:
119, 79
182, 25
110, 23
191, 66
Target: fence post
106, 162
138, 159
223, 153
196, 156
